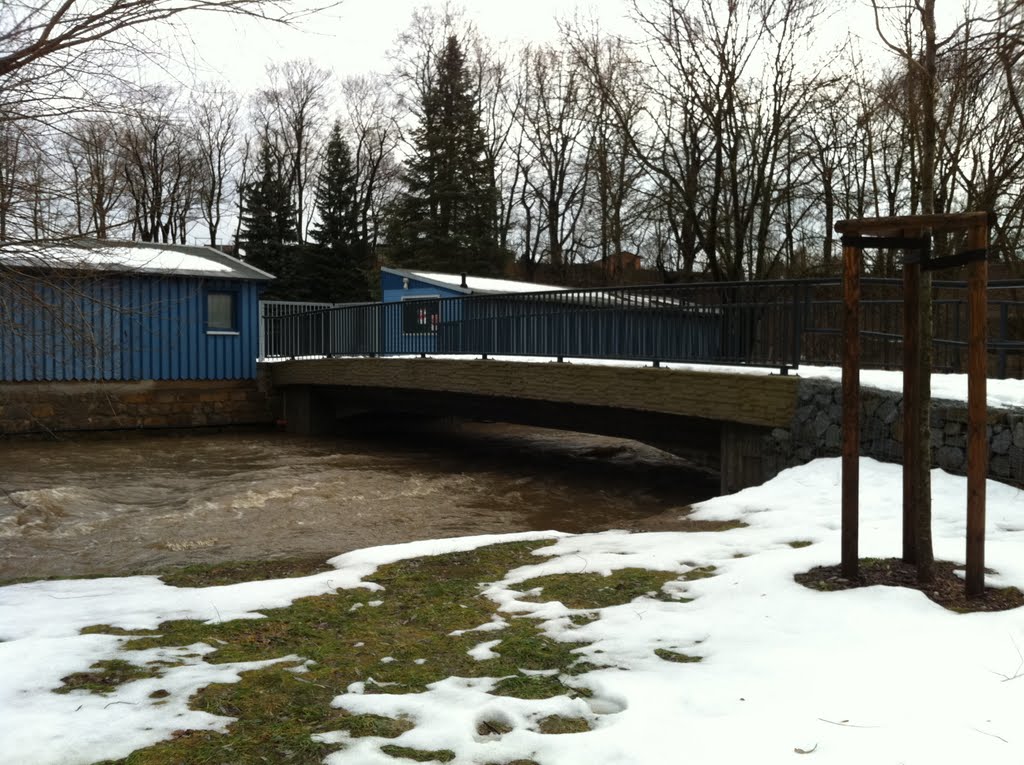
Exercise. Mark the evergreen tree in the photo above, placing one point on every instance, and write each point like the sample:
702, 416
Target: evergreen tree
267, 232
445, 219
338, 266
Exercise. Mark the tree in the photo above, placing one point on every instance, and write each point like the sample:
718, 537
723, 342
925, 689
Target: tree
337, 267
267, 221
96, 169
161, 168
214, 123
371, 119
292, 111
445, 219
553, 120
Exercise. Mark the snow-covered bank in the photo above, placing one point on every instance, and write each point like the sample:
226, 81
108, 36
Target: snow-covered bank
869, 675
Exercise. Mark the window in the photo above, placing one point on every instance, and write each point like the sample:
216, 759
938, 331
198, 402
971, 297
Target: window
221, 312
420, 316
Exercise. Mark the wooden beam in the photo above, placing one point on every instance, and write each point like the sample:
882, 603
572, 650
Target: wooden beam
911, 405
851, 412
943, 222
977, 411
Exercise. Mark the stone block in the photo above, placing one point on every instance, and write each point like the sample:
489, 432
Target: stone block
1000, 467
950, 458
1001, 442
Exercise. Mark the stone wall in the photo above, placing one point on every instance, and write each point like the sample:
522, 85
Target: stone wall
79, 406
815, 431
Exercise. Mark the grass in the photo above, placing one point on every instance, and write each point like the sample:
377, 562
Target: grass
424, 600
105, 676
593, 591
342, 639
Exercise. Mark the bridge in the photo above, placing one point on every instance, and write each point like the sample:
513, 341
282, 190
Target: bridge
437, 358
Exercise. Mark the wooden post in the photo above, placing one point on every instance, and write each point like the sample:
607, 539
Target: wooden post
911, 404
977, 439
851, 410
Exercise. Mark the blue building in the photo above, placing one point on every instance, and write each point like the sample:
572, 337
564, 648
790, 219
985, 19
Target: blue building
126, 311
502, 317
426, 322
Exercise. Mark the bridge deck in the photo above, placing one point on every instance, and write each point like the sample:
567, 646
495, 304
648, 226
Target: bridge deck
749, 399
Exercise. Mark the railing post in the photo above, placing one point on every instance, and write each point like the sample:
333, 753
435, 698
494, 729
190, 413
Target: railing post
261, 321
1004, 336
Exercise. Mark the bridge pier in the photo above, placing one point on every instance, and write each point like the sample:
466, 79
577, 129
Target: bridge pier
308, 410
745, 461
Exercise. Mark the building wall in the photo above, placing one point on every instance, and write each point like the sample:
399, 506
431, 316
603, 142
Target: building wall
392, 290
55, 407
393, 339
120, 328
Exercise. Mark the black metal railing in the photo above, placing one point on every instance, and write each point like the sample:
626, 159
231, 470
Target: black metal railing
777, 324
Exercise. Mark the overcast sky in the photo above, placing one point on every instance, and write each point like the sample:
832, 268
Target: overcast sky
354, 37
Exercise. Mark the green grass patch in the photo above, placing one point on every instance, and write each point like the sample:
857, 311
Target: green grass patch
700, 572
233, 572
593, 591
343, 639
679, 658
105, 676
797, 544
441, 755
556, 724
375, 725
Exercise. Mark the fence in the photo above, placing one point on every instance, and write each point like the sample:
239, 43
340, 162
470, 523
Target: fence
777, 324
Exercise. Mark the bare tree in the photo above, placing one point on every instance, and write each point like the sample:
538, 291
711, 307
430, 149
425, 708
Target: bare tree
612, 99
214, 123
370, 117
161, 170
95, 172
552, 119
56, 33
292, 113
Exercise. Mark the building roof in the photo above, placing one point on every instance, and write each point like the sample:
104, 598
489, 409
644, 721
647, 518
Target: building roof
134, 257
475, 285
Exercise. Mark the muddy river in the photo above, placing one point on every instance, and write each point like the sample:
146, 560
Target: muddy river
146, 502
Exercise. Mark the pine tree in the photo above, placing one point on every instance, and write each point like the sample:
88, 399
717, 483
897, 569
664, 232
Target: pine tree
445, 219
267, 232
337, 267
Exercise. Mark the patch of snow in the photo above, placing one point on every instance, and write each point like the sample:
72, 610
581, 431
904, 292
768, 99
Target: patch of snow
483, 652
485, 284
878, 674
119, 257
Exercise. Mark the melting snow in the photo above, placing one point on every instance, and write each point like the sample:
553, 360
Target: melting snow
870, 675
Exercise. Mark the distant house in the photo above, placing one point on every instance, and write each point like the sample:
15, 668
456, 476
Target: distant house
126, 311
503, 317
416, 327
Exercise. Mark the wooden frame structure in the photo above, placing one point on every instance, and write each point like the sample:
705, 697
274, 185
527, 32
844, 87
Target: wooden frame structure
913, 233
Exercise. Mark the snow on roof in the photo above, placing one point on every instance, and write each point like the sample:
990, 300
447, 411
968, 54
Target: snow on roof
475, 283
130, 256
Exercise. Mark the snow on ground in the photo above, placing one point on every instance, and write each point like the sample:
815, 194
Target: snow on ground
870, 675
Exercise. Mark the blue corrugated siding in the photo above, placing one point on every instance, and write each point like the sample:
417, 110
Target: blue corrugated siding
124, 328
393, 340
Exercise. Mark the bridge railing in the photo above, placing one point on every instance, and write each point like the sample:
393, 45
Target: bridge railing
882, 325
778, 324
751, 323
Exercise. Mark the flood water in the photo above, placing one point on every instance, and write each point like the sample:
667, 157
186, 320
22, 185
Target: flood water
146, 502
